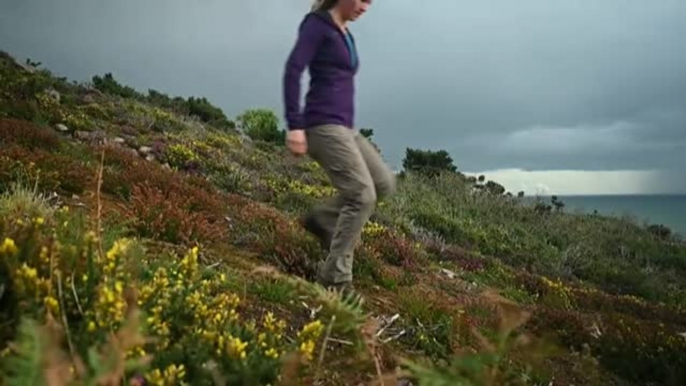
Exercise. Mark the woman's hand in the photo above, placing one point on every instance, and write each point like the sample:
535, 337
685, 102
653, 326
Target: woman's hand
296, 142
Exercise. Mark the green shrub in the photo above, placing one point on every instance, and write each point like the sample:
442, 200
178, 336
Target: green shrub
428, 162
262, 125
204, 110
181, 156
109, 85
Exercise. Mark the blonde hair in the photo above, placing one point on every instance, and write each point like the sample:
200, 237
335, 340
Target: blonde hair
323, 5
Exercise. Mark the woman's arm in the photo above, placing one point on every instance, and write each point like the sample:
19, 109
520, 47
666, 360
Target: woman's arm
311, 34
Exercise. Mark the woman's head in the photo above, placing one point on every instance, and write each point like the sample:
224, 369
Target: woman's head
349, 10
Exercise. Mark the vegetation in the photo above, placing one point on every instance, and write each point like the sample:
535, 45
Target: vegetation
148, 244
262, 125
428, 162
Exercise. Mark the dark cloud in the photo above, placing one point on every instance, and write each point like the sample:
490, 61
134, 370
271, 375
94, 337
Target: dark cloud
540, 85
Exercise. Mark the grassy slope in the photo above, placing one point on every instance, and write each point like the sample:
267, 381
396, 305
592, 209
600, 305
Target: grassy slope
605, 294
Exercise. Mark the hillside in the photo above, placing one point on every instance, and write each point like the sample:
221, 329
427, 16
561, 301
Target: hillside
147, 239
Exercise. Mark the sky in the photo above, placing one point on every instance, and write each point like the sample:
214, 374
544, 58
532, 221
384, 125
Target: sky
561, 97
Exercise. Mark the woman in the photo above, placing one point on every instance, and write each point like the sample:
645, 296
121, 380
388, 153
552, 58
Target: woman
325, 130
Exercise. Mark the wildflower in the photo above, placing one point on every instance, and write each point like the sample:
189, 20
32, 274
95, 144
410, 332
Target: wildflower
262, 339
373, 229
51, 304
272, 353
90, 237
270, 322
91, 326
171, 375
8, 247
39, 220
236, 348
44, 254
119, 247
189, 264
311, 330
307, 349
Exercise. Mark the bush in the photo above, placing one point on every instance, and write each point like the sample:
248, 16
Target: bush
109, 85
428, 162
171, 217
639, 351
204, 110
182, 157
51, 172
132, 316
261, 125
393, 248
276, 237
29, 136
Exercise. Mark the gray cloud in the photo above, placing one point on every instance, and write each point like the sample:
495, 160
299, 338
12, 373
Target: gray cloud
540, 85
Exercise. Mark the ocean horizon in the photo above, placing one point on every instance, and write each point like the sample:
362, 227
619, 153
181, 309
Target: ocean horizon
665, 209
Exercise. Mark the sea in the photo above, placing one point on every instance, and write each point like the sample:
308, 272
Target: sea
667, 210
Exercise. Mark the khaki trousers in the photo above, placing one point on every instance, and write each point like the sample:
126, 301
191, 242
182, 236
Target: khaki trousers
361, 177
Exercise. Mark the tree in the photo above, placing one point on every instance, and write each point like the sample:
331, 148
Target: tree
203, 109
558, 204
428, 162
109, 85
261, 125
367, 133
495, 188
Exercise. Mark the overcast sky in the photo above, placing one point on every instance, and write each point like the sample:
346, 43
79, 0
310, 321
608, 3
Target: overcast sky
597, 87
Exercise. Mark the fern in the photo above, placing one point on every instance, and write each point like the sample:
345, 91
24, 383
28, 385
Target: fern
347, 307
24, 368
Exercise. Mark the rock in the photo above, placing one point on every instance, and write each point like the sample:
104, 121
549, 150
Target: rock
25, 66
62, 128
119, 140
150, 157
145, 150
448, 273
54, 94
405, 382
166, 166
92, 137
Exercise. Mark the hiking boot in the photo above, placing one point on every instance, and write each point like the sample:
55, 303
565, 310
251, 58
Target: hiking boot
310, 223
343, 288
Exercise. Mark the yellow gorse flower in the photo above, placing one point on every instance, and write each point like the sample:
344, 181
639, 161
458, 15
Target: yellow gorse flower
51, 304
273, 325
8, 247
307, 349
272, 353
311, 331
236, 348
172, 375
373, 229
189, 264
